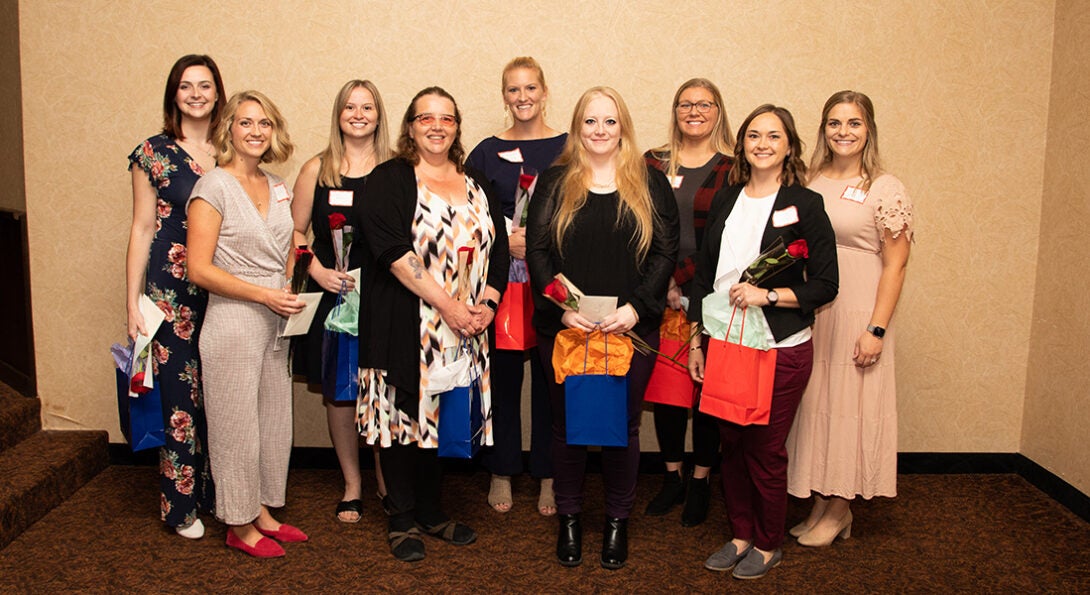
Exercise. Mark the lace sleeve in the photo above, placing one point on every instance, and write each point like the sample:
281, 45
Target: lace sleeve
894, 209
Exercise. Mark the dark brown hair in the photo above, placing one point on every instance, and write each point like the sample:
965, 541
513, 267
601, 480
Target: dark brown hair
794, 168
172, 116
406, 147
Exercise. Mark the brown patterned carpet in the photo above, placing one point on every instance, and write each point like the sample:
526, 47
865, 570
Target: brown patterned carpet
943, 534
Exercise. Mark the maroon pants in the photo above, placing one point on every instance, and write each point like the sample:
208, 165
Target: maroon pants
620, 465
755, 457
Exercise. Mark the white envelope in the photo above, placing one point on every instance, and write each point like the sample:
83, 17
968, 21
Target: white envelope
355, 274
299, 324
153, 319
596, 307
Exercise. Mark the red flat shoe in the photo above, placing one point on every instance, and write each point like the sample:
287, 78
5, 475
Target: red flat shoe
264, 548
286, 534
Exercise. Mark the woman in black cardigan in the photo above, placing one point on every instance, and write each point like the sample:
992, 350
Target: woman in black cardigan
766, 201
417, 310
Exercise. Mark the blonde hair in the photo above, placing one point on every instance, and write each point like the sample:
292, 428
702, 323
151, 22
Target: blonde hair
280, 145
721, 137
526, 62
631, 176
329, 174
871, 164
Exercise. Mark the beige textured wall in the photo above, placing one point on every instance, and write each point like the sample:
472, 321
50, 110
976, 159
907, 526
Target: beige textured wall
962, 91
11, 117
1057, 412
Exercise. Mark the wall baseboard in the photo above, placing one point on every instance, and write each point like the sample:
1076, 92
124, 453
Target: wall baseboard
908, 463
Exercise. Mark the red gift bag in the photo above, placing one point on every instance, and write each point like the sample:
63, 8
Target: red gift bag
670, 382
514, 319
738, 381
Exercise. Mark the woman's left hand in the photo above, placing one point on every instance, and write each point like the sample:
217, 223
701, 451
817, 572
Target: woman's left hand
744, 295
620, 321
482, 318
516, 243
868, 349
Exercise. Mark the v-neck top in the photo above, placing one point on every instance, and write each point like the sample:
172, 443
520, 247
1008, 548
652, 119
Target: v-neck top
248, 245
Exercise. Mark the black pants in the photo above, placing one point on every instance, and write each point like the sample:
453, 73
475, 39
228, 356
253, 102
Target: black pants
670, 425
412, 477
505, 456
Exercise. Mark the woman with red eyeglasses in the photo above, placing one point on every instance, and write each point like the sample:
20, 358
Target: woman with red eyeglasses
424, 209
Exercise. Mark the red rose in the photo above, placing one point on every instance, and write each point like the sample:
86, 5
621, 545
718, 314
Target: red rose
525, 180
136, 385
798, 249
336, 221
300, 251
557, 291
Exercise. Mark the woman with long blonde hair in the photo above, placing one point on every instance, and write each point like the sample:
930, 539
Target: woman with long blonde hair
608, 222
335, 181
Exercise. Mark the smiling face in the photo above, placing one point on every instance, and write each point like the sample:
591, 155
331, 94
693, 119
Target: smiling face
846, 131
601, 128
359, 116
434, 125
196, 95
766, 144
524, 94
251, 130
693, 123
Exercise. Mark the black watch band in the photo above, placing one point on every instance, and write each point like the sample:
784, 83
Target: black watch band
877, 331
491, 303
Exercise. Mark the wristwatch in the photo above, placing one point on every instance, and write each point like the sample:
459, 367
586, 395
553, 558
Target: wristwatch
877, 331
773, 297
491, 303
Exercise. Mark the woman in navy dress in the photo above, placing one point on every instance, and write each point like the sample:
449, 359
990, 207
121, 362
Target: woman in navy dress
528, 147
164, 169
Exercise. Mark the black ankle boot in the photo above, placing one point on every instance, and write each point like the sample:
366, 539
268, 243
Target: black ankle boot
671, 494
615, 543
696, 502
569, 540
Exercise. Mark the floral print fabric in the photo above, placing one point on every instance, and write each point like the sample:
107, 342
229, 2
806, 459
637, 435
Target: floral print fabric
185, 476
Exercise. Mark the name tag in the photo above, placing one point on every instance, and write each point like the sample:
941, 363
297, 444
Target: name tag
281, 192
513, 156
785, 217
854, 194
340, 198
676, 181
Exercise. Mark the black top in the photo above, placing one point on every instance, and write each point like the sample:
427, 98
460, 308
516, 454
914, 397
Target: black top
814, 280
307, 349
389, 327
599, 253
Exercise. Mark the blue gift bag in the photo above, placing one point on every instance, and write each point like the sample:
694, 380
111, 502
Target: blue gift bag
596, 408
460, 421
141, 416
340, 366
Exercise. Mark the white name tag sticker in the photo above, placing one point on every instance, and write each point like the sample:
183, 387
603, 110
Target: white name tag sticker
340, 198
854, 194
676, 181
785, 217
514, 155
281, 192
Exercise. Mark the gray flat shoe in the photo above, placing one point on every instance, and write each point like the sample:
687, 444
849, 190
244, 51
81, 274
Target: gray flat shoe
754, 565
726, 558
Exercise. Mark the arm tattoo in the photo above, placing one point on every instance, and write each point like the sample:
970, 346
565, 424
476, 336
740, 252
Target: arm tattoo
417, 267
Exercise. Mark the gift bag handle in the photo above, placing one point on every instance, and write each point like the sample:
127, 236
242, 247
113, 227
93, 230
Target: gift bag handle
730, 325
586, 352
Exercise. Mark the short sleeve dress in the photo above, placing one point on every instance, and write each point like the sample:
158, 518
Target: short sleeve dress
844, 441
185, 477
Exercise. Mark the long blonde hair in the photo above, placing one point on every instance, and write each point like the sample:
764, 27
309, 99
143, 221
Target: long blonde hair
329, 175
721, 137
631, 175
872, 165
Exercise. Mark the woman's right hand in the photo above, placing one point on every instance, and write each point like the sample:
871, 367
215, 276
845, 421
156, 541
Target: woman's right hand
696, 364
461, 320
673, 295
572, 319
136, 324
283, 302
330, 279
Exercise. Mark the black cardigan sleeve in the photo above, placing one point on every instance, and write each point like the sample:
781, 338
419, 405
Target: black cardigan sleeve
499, 259
649, 297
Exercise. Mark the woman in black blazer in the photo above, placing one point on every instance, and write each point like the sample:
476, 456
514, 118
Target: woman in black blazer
766, 201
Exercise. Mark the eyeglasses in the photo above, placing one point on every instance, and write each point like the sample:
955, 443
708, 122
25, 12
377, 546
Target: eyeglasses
702, 107
446, 120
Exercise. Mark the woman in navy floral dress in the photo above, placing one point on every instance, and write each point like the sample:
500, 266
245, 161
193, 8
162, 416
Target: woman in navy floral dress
164, 169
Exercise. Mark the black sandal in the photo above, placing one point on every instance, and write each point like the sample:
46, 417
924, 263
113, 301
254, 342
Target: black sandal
355, 506
451, 532
406, 545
